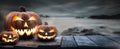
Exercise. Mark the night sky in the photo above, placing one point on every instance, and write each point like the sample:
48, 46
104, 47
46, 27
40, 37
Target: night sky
64, 7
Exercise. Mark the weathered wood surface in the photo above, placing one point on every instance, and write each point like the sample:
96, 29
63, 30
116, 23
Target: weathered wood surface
115, 38
84, 41
41, 44
102, 41
65, 42
68, 41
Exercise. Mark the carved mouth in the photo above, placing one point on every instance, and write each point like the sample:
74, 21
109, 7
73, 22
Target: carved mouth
9, 40
21, 32
46, 37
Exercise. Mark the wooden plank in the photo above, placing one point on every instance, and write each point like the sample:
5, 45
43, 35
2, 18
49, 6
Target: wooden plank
31, 44
68, 42
8, 46
52, 44
115, 38
84, 41
104, 42
39, 44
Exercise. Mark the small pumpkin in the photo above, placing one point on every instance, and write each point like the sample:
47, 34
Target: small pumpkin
9, 37
46, 32
23, 22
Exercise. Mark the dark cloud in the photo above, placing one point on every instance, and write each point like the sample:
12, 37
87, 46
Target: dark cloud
65, 7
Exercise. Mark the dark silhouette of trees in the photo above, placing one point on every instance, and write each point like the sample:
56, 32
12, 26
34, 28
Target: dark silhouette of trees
117, 16
45, 16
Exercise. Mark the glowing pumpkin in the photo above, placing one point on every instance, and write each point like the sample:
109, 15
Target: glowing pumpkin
24, 23
9, 37
46, 32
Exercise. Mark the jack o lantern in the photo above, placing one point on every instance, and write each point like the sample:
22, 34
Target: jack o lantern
24, 23
46, 32
9, 37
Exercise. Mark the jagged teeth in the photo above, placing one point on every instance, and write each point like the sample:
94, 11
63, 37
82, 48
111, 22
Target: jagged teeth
27, 31
9, 40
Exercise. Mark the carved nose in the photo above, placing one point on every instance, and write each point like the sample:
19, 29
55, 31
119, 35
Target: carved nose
10, 36
25, 25
46, 33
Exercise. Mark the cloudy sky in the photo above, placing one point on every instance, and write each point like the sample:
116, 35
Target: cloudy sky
64, 7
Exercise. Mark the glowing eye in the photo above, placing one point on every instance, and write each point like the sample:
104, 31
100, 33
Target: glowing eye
32, 18
14, 35
16, 18
51, 30
41, 30
5, 35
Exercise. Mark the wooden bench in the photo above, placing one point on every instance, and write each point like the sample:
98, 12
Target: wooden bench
70, 42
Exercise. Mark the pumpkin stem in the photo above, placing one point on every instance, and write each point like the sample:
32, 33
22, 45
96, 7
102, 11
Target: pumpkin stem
22, 9
46, 23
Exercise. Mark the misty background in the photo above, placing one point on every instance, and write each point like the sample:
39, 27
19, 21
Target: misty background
67, 8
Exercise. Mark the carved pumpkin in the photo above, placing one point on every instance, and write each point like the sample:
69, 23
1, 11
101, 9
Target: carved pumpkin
9, 37
46, 32
24, 23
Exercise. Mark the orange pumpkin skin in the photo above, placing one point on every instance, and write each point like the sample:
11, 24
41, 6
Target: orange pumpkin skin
24, 23
9, 37
46, 32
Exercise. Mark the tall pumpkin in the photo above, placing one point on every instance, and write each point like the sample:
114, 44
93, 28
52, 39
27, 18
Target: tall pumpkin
23, 22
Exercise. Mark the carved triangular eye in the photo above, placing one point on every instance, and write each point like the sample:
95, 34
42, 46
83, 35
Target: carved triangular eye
52, 30
41, 30
15, 18
14, 35
5, 35
32, 18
